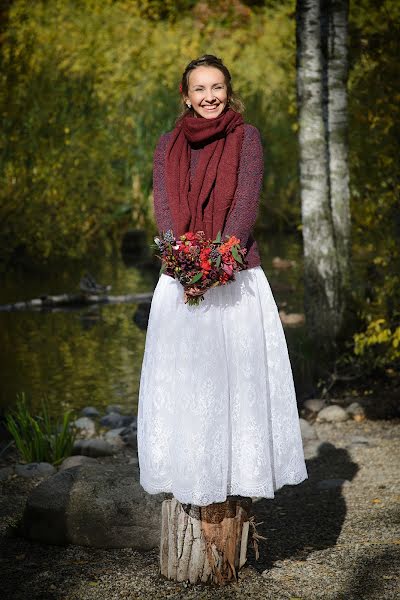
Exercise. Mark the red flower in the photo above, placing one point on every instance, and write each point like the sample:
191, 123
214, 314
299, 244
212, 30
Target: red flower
189, 235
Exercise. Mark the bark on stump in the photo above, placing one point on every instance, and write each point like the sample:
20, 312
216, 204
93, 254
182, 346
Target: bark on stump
204, 543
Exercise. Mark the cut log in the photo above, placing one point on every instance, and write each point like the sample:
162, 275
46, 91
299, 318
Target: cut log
204, 543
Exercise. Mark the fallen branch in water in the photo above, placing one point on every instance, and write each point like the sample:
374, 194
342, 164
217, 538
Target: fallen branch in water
76, 300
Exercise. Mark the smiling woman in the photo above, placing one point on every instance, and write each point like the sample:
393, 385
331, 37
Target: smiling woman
207, 92
217, 414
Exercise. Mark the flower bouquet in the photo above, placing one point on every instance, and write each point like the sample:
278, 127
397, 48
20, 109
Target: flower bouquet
199, 263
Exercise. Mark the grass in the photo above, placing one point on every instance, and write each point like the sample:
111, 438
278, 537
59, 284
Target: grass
40, 438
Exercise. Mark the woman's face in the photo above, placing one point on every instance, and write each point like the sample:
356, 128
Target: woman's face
208, 92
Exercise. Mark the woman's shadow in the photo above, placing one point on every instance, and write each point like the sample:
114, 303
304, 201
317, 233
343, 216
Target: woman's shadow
304, 517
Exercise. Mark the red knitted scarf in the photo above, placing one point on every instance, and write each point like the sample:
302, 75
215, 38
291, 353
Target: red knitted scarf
204, 201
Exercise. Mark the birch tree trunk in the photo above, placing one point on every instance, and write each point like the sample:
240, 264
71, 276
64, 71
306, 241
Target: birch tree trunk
334, 36
205, 543
321, 98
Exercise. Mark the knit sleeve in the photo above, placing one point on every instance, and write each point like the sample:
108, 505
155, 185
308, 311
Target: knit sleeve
161, 207
246, 201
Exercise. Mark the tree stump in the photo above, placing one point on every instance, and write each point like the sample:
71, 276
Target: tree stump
204, 543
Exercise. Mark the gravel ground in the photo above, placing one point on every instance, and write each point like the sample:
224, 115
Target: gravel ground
332, 543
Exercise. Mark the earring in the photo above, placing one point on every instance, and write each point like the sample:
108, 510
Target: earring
189, 105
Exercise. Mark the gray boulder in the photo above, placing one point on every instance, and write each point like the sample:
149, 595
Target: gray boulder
35, 469
332, 414
102, 506
93, 448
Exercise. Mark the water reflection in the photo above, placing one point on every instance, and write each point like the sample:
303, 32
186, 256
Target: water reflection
93, 355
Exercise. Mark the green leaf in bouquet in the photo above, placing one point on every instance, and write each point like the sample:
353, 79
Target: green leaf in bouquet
195, 278
236, 254
218, 262
218, 238
163, 267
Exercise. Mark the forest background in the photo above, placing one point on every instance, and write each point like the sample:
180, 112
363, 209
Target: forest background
87, 88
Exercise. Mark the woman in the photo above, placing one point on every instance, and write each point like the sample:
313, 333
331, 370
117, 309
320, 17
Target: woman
217, 409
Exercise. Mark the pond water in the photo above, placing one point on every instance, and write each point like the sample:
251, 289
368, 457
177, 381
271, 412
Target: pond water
93, 355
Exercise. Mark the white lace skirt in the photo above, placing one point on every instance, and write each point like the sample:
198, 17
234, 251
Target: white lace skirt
217, 412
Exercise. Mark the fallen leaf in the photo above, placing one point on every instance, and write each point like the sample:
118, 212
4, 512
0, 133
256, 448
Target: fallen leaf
376, 501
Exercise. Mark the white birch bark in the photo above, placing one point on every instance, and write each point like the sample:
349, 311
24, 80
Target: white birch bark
335, 93
320, 261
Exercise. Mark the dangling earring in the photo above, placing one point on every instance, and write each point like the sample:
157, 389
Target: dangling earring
189, 105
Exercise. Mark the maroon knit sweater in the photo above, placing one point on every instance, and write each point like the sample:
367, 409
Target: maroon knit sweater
242, 218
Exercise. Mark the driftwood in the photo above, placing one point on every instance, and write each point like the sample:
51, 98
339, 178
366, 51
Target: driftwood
76, 300
205, 543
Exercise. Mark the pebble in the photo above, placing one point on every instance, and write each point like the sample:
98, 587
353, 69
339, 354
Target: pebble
314, 405
6, 472
75, 461
332, 414
355, 408
112, 420
114, 408
113, 437
35, 469
129, 436
359, 439
86, 425
307, 431
90, 411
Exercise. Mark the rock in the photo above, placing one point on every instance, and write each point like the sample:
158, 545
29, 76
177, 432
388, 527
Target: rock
112, 420
307, 431
359, 440
291, 319
77, 460
35, 469
314, 405
332, 414
94, 448
330, 484
6, 472
129, 436
355, 409
114, 438
130, 421
90, 411
87, 426
102, 506
114, 408
311, 448
134, 461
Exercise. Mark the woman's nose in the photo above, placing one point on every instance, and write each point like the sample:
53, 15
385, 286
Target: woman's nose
210, 96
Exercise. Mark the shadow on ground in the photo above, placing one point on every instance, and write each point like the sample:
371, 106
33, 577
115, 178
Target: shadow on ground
305, 517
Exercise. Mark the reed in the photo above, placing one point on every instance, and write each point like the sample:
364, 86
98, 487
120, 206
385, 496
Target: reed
40, 438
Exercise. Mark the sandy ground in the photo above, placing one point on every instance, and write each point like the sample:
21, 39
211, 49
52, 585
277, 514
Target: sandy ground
331, 543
